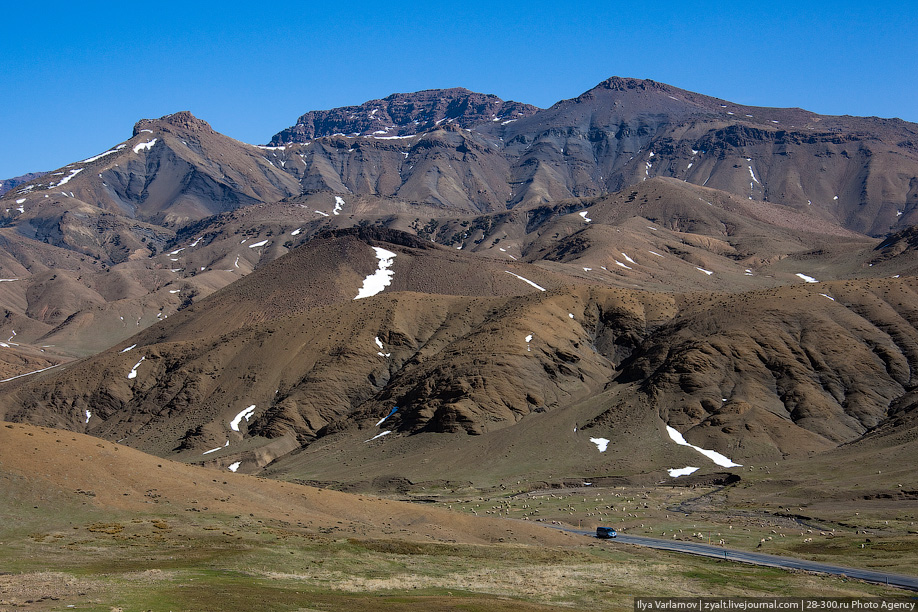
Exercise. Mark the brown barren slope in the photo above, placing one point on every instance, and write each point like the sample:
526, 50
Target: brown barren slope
61, 466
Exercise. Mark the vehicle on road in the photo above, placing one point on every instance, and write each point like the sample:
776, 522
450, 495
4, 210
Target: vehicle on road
604, 533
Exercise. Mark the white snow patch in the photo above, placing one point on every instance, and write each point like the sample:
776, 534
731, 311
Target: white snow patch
144, 146
601, 443
234, 466
339, 202
99, 156
828, 296
654, 253
27, 374
379, 435
213, 450
324, 214
296, 232
752, 174
245, 414
618, 263
628, 259
130, 347
88, 416
712, 455
381, 348
808, 279
133, 373
708, 272
73, 173
258, 244
380, 279
676, 472
583, 214
570, 314
22, 201
587, 269
526, 280
174, 290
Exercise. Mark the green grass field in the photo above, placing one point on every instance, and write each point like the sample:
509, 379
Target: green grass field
213, 562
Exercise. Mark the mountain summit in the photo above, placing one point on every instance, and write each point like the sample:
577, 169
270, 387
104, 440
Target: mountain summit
404, 114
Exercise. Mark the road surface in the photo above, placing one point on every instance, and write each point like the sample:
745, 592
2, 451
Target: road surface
730, 554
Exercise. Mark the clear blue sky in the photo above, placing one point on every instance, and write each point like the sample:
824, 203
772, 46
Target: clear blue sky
76, 76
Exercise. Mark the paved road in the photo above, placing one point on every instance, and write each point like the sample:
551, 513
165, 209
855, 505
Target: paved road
730, 554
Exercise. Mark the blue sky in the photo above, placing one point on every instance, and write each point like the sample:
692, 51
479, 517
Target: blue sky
77, 76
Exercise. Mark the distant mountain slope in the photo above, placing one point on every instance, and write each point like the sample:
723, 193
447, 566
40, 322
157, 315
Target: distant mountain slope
12, 183
444, 147
856, 172
170, 171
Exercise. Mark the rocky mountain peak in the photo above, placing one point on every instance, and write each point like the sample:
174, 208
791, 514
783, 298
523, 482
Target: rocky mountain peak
403, 114
183, 120
624, 84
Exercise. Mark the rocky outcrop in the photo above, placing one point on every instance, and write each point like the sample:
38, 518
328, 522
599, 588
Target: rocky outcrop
403, 114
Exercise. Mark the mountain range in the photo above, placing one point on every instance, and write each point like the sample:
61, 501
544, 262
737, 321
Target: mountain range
446, 285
